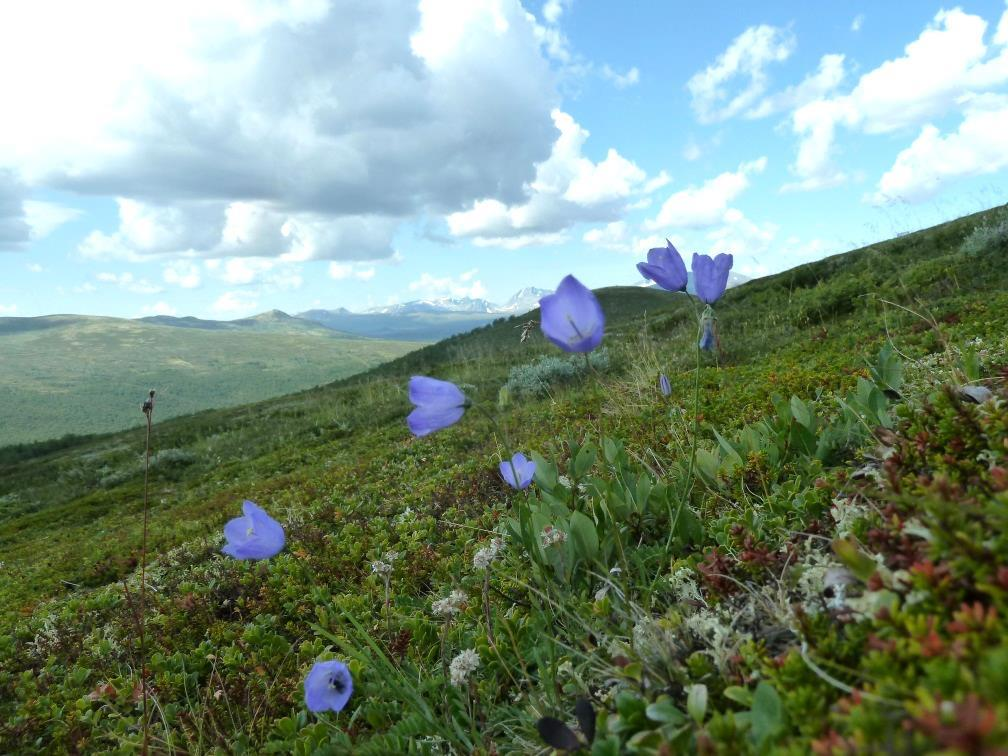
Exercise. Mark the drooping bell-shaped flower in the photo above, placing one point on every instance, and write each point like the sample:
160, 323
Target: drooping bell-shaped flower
328, 686
254, 536
518, 471
438, 404
665, 267
708, 339
572, 317
663, 384
710, 276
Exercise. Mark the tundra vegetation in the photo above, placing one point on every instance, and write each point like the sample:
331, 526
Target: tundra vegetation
774, 524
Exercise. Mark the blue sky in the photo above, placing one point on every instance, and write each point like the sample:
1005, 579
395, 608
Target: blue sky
349, 153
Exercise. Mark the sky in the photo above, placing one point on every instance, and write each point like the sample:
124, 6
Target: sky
222, 159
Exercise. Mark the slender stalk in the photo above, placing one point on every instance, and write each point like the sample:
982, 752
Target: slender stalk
696, 430
696, 414
148, 410
486, 607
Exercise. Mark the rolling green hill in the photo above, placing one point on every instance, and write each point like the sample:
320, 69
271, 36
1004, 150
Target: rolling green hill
71, 374
802, 549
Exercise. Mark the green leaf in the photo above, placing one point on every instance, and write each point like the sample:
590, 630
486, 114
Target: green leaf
583, 461
609, 746
862, 565
767, 714
546, 474
666, 712
585, 537
800, 412
739, 695
613, 451
696, 702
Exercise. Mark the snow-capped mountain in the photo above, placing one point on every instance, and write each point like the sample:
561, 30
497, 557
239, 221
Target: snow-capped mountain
523, 301
441, 304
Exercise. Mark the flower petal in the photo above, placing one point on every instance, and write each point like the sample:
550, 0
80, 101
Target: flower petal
254, 536
710, 276
426, 419
328, 686
572, 317
431, 391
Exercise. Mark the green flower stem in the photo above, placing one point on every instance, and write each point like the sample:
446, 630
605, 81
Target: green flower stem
696, 410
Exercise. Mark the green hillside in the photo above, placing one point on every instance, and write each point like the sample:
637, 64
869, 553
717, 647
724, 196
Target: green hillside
72, 374
828, 573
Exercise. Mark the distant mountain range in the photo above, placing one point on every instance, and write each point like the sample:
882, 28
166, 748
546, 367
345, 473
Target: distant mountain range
734, 279
424, 319
83, 374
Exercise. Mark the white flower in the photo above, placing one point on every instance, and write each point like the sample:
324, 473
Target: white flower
462, 666
450, 605
552, 536
483, 557
383, 566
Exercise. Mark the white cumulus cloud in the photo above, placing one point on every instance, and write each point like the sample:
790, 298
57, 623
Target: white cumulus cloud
715, 94
264, 128
978, 146
182, 273
568, 188
944, 67
235, 303
464, 285
705, 205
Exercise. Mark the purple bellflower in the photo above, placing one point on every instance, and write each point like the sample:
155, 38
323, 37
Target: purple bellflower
572, 318
438, 404
664, 385
518, 471
710, 276
708, 339
328, 686
254, 536
665, 267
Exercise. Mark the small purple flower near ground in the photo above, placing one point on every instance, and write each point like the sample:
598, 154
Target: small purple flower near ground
328, 686
710, 276
707, 337
519, 466
663, 384
665, 267
572, 317
438, 404
254, 536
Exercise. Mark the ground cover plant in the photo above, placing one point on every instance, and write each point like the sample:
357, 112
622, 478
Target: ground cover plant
774, 522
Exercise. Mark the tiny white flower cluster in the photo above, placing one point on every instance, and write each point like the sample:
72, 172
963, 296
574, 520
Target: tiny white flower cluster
450, 605
483, 557
383, 566
462, 666
552, 536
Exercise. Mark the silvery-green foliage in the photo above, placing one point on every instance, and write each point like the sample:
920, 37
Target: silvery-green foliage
987, 238
536, 378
